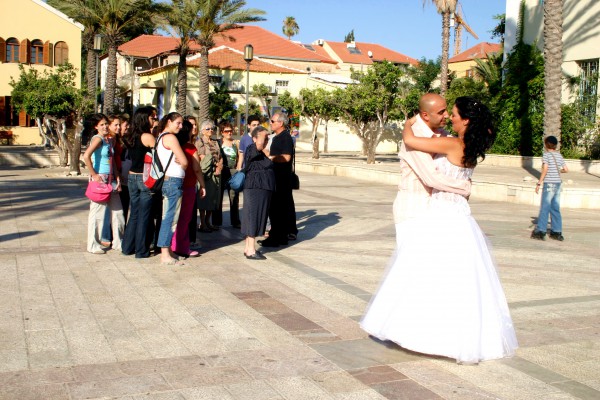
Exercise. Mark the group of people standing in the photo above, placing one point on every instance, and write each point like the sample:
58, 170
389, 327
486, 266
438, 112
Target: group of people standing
197, 170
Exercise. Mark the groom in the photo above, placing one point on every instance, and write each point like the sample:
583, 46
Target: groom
418, 173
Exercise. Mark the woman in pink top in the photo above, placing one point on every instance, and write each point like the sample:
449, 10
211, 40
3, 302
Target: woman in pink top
180, 244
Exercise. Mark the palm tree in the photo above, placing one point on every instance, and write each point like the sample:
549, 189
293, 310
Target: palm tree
553, 45
111, 18
290, 27
182, 22
215, 18
446, 8
73, 9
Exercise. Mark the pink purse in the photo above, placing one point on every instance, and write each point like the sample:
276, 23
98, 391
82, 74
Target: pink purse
98, 192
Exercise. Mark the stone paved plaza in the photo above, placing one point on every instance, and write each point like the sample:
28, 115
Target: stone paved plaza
81, 326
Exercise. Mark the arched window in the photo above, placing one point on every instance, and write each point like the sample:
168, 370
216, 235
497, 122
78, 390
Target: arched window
61, 53
12, 50
37, 52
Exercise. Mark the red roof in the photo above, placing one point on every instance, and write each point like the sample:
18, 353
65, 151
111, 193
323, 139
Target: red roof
225, 58
151, 46
267, 44
480, 50
361, 54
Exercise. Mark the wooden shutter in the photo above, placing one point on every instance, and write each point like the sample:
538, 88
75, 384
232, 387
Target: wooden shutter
2, 51
22, 118
25, 51
48, 53
3, 111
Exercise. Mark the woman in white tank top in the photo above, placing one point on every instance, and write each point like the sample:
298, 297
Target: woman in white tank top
174, 163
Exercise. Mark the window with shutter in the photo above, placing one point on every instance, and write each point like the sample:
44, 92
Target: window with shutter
2, 51
24, 51
37, 52
12, 50
61, 53
3, 112
48, 54
23, 118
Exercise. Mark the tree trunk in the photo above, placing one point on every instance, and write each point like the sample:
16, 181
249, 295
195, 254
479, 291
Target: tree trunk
445, 51
90, 69
371, 151
110, 86
553, 45
62, 143
203, 84
315, 138
76, 149
182, 83
326, 139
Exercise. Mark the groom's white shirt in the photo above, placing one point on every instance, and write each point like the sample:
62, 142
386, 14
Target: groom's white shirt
419, 176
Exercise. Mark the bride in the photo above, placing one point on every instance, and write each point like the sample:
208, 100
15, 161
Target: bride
441, 294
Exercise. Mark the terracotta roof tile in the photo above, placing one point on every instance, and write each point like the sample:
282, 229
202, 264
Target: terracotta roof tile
151, 46
269, 45
480, 50
225, 58
379, 53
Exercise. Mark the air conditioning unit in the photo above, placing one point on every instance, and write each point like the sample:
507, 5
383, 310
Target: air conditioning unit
320, 42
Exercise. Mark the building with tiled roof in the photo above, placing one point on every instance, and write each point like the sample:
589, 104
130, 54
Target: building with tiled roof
38, 36
226, 66
359, 55
463, 64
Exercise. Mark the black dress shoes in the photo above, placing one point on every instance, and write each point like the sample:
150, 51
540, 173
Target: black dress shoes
255, 256
268, 243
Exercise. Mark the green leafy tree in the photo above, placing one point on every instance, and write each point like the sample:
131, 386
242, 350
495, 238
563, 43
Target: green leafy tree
222, 106
253, 108
113, 19
349, 37
264, 94
499, 30
215, 18
182, 22
290, 27
52, 97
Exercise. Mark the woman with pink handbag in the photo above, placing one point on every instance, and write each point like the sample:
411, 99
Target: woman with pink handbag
100, 162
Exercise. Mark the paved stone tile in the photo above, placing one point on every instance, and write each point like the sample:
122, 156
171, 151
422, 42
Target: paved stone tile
293, 321
405, 390
207, 393
299, 388
362, 353
254, 390
206, 376
378, 374
315, 336
338, 382
35, 392
36, 377
129, 385
268, 306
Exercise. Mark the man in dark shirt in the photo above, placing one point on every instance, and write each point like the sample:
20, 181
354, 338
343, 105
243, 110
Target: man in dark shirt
282, 210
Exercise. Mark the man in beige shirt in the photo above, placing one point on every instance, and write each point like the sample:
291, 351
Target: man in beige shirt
418, 173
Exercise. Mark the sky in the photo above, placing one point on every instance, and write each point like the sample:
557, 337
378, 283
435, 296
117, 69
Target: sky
405, 26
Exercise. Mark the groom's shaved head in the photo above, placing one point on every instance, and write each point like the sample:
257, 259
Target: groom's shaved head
433, 110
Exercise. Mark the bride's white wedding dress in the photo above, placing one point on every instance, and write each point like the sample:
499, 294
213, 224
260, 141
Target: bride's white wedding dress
441, 293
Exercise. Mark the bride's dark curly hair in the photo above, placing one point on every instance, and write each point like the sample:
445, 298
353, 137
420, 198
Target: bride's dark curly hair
480, 133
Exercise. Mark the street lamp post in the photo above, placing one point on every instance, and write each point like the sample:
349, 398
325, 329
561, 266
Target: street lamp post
97, 49
248, 56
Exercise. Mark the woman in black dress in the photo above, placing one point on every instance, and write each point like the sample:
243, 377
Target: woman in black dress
258, 187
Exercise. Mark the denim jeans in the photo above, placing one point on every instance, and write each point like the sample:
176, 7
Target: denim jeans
550, 206
139, 217
172, 191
